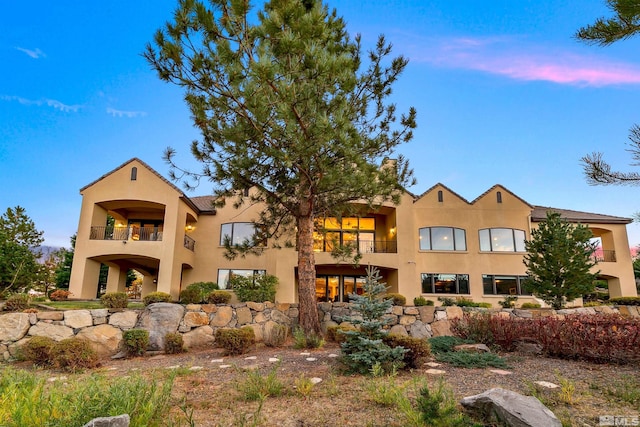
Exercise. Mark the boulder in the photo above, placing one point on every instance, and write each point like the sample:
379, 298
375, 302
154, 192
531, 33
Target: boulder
77, 319
14, 326
398, 330
441, 328
472, 348
198, 337
124, 319
454, 312
50, 315
419, 330
118, 421
510, 408
160, 319
222, 317
104, 339
55, 332
196, 318
243, 315
427, 313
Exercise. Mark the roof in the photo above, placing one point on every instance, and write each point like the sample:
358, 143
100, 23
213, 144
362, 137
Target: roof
443, 186
204, 204
540, 214
498, 186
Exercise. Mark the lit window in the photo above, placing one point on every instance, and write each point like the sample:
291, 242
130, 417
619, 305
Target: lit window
438, 283
225, 274
237, 233
442, 239
502, 240
503, 285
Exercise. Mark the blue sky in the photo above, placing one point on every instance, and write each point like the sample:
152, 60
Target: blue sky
504, 94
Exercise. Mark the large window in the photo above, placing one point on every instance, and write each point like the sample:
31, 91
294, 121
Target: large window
442, 239
237, 233
437, 283
502, 240
225, 274
333, 232
338, 288
503, 285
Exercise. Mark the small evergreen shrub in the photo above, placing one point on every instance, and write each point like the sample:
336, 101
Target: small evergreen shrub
592, 304
303, 340
530, 305
447, 301
198, 291
74, 354
59, 295
275, 336
257, 288
235, 341
135, 341
397, 299
421, 301
38, 350
115, 300
337, 333
155, 297
173, 343
509, 301
625, 300
190, 296
466, 359
418, 350
17, 302
219, 297
445, 344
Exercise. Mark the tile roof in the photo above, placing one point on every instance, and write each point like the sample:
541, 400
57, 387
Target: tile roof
540, 213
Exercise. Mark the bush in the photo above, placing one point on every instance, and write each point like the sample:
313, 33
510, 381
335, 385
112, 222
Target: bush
509, 301
466, 359
257, 288
155, 297
173, 343
38, 350
219, 297
17, 302
115, 300
190, 296
418, 350
338, 333
202, 289
74, 354
135, 341
397, 299
235, 341
421, 301
447, 301
474, 327
275, 336
529, 305
59, 295
302, 340
445, 344
625, 301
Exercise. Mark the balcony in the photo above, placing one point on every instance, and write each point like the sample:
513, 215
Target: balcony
364, 246
604, 256
125, 233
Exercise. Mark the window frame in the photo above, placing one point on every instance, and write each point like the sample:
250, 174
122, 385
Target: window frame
454, 236
224, 286
251, 238
519, 281
486, 235
459, 277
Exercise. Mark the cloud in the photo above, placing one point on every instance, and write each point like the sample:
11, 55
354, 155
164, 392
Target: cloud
35, 54
129, 114
43, 102
514, 59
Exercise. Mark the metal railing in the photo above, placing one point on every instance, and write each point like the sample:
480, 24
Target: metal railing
189, 243
604, 256
125, 233
367, 246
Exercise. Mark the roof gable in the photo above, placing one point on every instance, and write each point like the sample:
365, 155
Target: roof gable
498, 187
441, 187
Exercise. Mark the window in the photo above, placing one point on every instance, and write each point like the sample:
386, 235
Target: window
503, 285
237, 233
499, 196
440, 197
501, 240
334, 232
134, 173
437, 283
224, 275
442, 239
338, 288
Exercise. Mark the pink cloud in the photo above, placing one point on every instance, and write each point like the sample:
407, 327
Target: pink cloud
519, 61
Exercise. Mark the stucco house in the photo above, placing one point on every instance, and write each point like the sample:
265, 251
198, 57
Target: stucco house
434, 244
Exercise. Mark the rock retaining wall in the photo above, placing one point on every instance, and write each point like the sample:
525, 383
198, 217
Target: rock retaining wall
198, 322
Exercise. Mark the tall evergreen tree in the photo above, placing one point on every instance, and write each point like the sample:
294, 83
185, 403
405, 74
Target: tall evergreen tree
285, 107
558, 260
63, 270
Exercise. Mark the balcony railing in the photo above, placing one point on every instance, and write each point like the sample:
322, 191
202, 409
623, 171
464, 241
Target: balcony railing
365, 247
125, 233
604, 256
189, 243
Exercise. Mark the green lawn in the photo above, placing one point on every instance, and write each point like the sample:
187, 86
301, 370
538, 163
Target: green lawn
82, 305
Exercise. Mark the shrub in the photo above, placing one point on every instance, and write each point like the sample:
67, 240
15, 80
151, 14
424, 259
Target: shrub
445, 344
135, 341
190, 296
421, 301
257, 387
235, 341
447, 301
529, 305
275, 336
625, 300
592, 304
474, 327
155, 297
338, 333
417, 349
202, 289
59, 295
74, 354
219, 297
466, 359
38, 350
509, 301
115, 300
257, 288
173, 343
397, 299
302, 340
17, 302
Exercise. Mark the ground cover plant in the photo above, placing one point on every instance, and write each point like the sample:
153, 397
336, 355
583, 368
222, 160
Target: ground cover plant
443, 349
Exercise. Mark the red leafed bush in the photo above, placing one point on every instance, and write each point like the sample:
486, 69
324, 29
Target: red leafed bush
59, 295
598, 338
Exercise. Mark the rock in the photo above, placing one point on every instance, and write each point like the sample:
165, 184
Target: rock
104, 339
454, 312
50, 315
257, 331
196, 318
440, 315
441, 328
55, 332
279, 317
528, 346
222, 317
260, 317
326, 325
199, 337
397, 310
124, 320
407, 320
14, 326
160, 319
427, 313
192, 307
411, 311
255, 306
119, 421
472, 348
525, 314
510, 408
99, 312
419, 330
243, 315
77, 319
435, 371
398, 330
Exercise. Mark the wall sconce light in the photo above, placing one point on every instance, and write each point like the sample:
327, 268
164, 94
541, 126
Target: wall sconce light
189, 227
392, 231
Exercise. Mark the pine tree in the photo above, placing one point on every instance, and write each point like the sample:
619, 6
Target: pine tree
286, 107
559, 261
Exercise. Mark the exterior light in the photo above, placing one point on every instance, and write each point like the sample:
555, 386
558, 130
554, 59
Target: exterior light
189, 227
393, 231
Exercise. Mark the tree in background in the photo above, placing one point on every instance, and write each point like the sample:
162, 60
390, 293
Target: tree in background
63, 269
624, 24
285, 107
558, 260
19, 243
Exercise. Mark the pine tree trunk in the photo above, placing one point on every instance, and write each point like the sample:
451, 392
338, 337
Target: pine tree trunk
307, 277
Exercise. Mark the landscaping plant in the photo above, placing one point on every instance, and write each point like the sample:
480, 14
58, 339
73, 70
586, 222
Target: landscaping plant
155, 297
256, 288
115, 300
135, 341
235, 341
